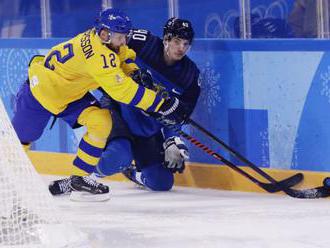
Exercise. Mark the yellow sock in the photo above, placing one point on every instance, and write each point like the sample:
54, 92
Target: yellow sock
26, 147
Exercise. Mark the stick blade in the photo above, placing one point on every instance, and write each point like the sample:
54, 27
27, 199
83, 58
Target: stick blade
314, 193
283, 184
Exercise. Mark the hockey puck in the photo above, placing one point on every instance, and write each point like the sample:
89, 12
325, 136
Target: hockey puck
326, 182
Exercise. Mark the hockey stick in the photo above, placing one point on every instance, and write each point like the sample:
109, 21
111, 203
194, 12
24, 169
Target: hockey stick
273, 187
232, 151
318, 192
269, 187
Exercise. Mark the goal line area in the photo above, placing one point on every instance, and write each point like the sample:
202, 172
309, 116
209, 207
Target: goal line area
29, 215
197, 175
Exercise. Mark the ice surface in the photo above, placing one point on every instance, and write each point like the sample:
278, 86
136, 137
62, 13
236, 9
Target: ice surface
187, 217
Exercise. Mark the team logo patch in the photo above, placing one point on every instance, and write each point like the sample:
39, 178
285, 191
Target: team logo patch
34, 81
119, 79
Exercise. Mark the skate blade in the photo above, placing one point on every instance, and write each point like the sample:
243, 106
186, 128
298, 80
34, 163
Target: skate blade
80, 196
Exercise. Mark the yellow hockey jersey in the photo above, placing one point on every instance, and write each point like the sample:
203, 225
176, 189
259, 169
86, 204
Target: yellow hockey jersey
84, 63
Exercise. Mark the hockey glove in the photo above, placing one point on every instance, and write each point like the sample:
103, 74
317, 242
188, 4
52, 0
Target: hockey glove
143, 77
105, 101
176, 153
172, 112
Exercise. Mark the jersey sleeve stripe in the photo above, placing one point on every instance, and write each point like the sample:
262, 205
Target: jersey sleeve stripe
156, 102
138, 96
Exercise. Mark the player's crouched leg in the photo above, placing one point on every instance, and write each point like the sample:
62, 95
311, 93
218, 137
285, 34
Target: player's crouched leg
157, 178
99, 124
116, 157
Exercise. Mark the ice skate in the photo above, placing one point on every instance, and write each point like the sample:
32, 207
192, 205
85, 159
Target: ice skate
132, 174
88, 189
60, 187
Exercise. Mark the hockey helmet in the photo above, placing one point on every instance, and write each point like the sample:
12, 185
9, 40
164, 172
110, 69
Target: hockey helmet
180, 28
113, 19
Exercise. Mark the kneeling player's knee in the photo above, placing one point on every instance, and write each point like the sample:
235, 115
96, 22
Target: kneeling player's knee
123, 146
98, 122
116, 157
119, 151
158, 178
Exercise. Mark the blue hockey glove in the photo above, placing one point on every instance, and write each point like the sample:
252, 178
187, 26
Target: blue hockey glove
176, 153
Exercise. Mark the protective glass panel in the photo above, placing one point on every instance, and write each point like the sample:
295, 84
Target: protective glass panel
269, 18
145, 14
68, 18
216, 19
20, 18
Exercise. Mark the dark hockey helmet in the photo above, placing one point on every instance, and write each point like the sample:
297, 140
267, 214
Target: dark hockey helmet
180, 28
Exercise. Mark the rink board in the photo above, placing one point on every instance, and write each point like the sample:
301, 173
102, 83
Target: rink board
267, 99
196, 174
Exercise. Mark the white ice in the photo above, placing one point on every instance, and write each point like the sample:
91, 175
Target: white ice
188, 217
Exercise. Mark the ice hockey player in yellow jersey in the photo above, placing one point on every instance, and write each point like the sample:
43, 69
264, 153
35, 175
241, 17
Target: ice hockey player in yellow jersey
59, 84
